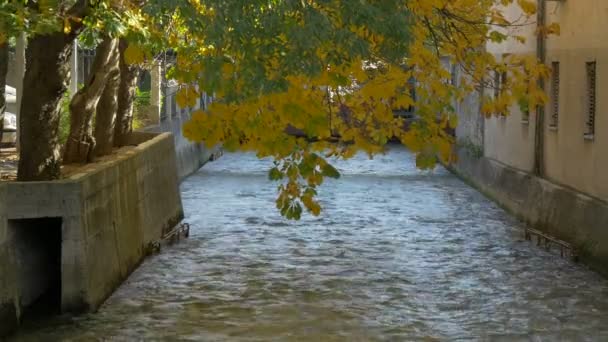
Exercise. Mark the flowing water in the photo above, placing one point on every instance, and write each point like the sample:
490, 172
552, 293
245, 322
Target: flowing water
398, 254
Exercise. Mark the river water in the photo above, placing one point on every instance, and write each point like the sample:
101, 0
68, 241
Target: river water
397, 254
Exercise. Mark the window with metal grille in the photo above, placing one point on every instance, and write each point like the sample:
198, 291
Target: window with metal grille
591, 99
524, 105
554, 95
496, 84
454, 75
503, 85
525, 115
500, 80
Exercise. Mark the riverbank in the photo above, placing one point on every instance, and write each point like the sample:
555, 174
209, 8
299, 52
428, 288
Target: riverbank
555, 210
69, 243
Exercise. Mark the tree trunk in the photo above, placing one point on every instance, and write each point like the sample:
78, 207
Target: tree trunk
44, 83
80, 144
106, 114
126, 97
3, 71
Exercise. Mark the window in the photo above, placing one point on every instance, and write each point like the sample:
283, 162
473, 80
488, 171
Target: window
454, 75
503, 82
554, 95
591, 99
496, 83
173, 106
524, 105
500, 79
201, 102
525, 115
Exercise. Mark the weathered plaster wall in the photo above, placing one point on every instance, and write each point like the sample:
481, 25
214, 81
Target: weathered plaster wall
470, 129
571, 159
510, 140
570, 201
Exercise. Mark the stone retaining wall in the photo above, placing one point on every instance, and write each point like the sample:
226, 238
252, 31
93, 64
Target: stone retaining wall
556, 210
106, 214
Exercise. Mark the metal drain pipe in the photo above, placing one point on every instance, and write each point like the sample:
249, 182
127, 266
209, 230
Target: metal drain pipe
541, 54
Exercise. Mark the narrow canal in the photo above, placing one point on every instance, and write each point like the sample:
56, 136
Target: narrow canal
398, 254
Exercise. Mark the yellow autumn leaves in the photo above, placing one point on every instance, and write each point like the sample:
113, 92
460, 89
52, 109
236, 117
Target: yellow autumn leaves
187, 96
349, 107
134, 54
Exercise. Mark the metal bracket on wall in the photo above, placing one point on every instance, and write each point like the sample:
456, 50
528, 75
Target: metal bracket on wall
178, 232
545, 240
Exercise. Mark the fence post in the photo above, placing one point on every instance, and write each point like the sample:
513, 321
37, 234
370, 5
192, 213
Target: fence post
155, 92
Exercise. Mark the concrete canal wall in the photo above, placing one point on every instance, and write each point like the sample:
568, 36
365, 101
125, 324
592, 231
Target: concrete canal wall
68, 244
556, 210
189, 156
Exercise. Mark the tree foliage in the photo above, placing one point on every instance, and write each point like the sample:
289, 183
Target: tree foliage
305, 81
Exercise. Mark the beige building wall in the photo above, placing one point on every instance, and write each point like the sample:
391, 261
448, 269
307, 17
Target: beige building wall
570, 158
510, 140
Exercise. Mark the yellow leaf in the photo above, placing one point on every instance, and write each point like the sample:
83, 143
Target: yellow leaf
528, 6
554, 28
134, 55
67, 27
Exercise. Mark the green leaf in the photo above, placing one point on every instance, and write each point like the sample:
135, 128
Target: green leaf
329, 171
426, 161
274, 174
306, 167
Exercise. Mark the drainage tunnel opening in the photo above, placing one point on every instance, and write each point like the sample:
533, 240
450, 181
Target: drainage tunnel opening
38, 252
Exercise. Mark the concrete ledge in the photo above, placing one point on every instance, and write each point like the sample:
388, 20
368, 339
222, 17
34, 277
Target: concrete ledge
558, 211
105, 216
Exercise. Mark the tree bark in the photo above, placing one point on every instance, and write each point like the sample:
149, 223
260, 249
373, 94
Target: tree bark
126, 97
106, 114
3, 72
81, 143
44, 83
